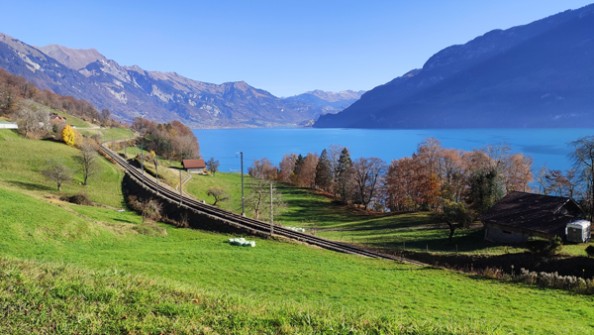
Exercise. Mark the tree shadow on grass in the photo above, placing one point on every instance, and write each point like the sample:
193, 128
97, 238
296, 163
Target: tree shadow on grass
122, 220
321, 213
393, 222
30, 186
463, 241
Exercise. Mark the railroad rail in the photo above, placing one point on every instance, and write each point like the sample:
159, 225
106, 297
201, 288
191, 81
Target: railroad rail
236, 220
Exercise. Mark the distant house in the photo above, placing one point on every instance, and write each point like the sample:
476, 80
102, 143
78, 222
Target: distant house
57, 119
520, 215
8, 125
194, 165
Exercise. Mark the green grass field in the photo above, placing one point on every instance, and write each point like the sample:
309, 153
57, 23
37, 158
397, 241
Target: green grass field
23, 160
274, 280
66, 268
109, 134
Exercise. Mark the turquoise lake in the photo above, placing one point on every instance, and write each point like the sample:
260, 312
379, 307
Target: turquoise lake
546, 147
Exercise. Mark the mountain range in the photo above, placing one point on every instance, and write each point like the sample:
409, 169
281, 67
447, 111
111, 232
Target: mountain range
130, 91
537, 75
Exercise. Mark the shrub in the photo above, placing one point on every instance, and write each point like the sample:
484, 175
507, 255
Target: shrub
79, 199
69, 135
150, 209
545, 247
554, 280
590, 250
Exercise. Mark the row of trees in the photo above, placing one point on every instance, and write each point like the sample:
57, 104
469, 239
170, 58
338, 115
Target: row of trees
431, 178
578, 181
456, 184
171, 140
15, 89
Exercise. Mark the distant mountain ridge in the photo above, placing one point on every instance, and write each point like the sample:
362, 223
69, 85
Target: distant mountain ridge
130, 91
536, 75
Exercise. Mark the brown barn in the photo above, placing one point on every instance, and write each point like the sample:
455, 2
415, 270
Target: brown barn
194, 165
520, 215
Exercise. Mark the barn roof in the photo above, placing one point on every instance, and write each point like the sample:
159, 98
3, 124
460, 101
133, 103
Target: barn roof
532, 212
193, 163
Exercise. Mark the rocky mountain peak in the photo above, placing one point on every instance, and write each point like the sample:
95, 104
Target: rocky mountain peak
130, 91
75, 59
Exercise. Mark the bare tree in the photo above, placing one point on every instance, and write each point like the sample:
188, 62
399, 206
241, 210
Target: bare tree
212, 165
263, 169
286, 168
307, 172
8, 99
517, 172
88, 160
33, 122
583, 158
367, 174
258, 200
59, 173
558, 183
218, 194
105, 118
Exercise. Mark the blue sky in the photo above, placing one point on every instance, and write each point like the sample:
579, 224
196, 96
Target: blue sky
285, 47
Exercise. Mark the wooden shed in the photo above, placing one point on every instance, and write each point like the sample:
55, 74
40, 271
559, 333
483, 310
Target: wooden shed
521, 215
194, 165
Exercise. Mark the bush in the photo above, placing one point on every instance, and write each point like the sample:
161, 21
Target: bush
590, 250
150, 209
554, 280
545, 247
79, 199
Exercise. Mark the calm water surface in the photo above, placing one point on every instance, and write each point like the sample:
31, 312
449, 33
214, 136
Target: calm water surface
547, 147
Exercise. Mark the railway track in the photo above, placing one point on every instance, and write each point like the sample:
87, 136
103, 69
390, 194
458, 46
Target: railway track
238, 221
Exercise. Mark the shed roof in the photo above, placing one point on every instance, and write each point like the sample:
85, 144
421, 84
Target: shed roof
532, 212
193, 163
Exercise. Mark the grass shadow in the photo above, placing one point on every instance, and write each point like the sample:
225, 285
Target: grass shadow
463, 241
30, 186
124, 221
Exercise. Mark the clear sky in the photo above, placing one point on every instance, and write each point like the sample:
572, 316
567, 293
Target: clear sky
286, 47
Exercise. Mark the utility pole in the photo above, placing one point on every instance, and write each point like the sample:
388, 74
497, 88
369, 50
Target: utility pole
271, 212
180, 187
156, 161
242, 193
142, 157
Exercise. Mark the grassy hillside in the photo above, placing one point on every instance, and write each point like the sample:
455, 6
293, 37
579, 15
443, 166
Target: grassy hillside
66, 268
270, 282
412, 231
23, 160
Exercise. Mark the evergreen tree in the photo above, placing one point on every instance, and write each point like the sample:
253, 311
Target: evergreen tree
297, 169
344, 175
324, 172
485, 189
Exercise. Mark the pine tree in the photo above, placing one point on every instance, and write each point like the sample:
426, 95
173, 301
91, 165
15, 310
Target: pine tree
324, 174
485, 189
344, 175
297, 169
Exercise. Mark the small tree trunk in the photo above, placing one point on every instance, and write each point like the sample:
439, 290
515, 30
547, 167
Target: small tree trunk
452, 230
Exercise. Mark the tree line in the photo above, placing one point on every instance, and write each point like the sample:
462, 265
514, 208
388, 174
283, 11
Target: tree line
172, 140
456, 184
429, 179
14, 90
